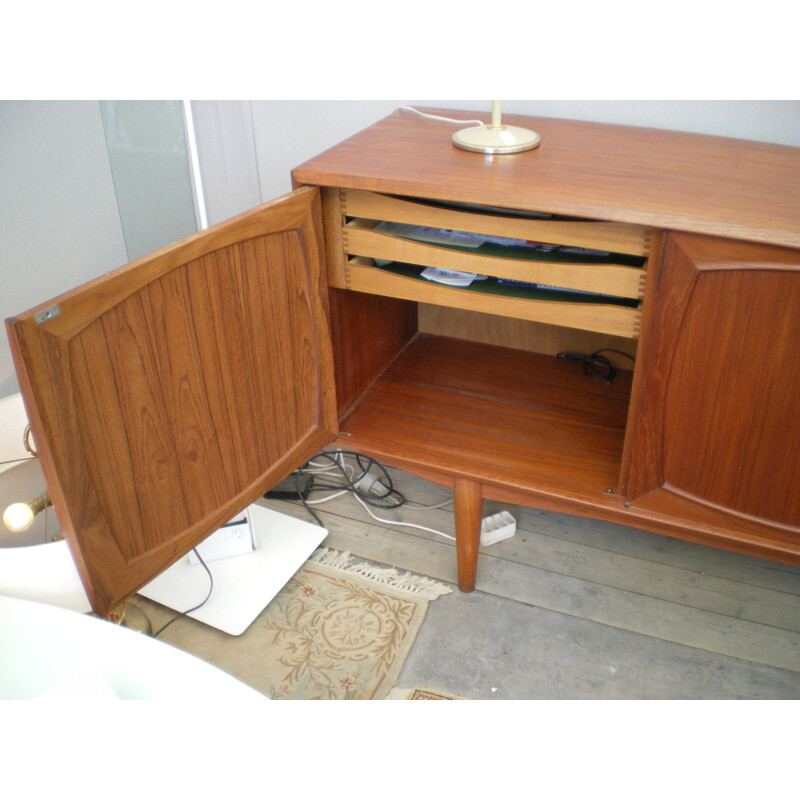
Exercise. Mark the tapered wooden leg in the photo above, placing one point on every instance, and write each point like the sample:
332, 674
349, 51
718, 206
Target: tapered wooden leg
468, 506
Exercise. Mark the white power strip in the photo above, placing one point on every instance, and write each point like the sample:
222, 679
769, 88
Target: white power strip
497, 527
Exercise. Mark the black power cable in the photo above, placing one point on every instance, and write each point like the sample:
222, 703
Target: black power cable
387, 497
199, 605
596, 365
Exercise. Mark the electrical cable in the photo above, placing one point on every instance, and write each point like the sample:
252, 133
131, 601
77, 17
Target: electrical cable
309, 509
322, 500
404, 524
441, 119
351, 482
412, 506
390, 498
596, 365
199, 605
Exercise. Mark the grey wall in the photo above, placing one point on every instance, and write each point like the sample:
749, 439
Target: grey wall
59, 215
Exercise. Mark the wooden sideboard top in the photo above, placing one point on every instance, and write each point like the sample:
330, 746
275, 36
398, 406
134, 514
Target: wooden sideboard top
665, 179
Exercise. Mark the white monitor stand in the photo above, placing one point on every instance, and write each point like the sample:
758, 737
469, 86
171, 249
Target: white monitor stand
243, 584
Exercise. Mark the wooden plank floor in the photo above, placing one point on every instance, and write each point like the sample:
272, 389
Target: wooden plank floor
575, 608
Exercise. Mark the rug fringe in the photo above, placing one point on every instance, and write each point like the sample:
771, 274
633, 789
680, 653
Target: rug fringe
326, 557
407, 582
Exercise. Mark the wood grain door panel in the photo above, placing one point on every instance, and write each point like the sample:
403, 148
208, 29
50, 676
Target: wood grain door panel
733, 441
714, 419
168, 395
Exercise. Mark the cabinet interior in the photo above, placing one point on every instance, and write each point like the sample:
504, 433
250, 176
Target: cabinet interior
424, 370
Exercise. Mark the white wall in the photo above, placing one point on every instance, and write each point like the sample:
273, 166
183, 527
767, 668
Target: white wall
773, 121
227, 157
287, 133
59, 224
147, 151
59, 221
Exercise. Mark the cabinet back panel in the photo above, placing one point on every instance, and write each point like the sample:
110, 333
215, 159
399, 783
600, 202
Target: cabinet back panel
535, 337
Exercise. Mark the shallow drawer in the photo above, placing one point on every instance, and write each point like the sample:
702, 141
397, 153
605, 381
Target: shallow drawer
363, 276
610, 279
615, 237
386, 261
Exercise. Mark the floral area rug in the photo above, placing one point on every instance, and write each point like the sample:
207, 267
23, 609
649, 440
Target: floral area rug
343, 631
430, 694
398, 693
337, 631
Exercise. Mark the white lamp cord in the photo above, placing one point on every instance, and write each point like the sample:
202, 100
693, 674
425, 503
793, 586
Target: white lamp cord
441, 119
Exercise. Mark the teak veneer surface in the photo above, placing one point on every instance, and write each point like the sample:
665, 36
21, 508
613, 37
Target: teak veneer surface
498, 416
680, 181
171, 393
167, 395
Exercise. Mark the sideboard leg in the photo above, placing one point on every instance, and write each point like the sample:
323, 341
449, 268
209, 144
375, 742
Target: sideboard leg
468, 506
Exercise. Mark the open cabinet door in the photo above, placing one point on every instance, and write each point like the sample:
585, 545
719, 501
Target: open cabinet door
169, 394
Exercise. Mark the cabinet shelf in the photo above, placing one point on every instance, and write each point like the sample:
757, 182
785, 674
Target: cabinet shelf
506, 417
616, 320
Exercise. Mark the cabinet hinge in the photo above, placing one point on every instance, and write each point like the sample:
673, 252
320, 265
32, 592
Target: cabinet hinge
47, 314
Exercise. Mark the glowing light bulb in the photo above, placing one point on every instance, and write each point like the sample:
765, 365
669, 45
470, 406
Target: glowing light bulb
18, 517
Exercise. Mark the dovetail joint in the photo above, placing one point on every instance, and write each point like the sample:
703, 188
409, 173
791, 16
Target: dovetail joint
648, 235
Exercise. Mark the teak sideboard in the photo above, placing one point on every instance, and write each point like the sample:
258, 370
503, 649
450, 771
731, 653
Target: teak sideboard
171, 393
